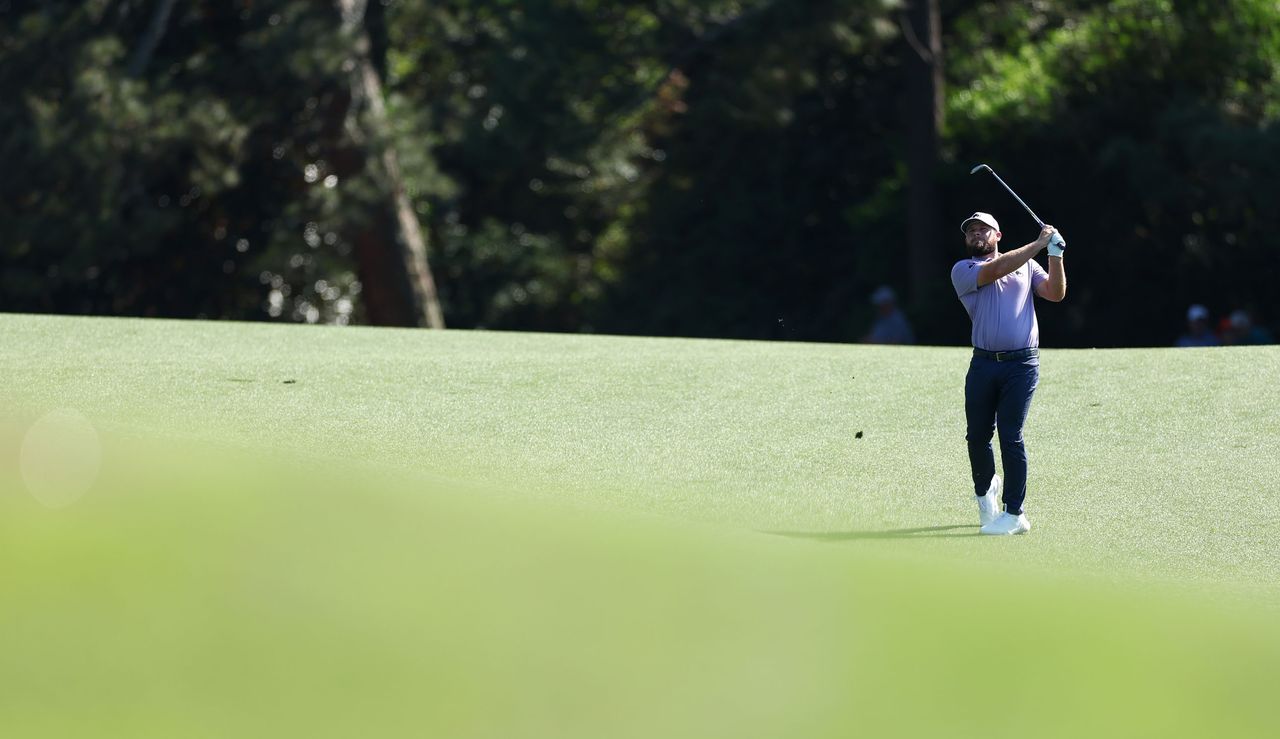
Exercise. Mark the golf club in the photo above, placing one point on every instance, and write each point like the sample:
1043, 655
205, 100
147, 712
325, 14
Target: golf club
1057, 237
981, 167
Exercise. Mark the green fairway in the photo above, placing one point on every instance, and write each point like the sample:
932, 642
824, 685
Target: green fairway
303, 530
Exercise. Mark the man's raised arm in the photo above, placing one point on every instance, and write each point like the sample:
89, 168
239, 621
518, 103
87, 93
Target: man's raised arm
1010, 261
1054, 289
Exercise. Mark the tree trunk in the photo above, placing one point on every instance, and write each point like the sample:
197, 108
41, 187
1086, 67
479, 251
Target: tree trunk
367, 87
150, 40
387, 294
924, 113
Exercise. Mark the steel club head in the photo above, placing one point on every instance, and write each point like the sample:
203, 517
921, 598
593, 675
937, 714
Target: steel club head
979, 168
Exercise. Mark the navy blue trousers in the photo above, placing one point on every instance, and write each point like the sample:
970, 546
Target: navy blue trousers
997, 395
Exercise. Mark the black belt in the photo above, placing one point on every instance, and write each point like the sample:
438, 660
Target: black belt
1012, 356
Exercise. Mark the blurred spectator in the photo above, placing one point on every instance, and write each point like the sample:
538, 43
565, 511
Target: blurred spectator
1224, 331
1198, 331
1240, 329
891, 326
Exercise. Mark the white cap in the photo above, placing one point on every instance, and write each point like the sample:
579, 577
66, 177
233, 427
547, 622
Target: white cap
986, 218
1197, 312
883, 294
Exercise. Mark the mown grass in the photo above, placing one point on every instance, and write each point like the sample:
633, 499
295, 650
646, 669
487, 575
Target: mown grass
322, 531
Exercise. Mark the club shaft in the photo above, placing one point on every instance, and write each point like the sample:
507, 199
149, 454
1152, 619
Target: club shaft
1039, 222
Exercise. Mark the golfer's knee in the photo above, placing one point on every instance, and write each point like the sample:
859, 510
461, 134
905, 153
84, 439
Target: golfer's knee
979, 430
1012, 442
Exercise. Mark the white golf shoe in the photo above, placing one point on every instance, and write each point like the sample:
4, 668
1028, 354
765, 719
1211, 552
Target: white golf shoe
989, 504
1007, 523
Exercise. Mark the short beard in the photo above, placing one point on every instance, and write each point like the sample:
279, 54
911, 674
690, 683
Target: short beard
981, 250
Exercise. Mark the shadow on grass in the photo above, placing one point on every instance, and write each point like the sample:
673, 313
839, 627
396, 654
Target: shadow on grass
917, 533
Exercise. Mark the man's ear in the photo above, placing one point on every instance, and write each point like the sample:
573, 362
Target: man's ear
999, 235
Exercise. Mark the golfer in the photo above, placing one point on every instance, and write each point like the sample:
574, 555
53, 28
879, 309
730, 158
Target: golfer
997, 289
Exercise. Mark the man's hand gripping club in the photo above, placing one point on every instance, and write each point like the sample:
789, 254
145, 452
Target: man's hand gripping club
1010, 261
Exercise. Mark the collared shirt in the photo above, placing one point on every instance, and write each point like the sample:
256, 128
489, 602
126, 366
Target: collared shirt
1003, 314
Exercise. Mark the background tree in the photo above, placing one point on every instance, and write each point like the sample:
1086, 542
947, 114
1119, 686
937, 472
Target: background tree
735, 168
377, 133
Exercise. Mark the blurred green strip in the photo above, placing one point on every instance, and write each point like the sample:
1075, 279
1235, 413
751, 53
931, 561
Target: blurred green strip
198, 594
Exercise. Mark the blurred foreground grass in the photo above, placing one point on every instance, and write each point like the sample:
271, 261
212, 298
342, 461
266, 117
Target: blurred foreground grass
193, 593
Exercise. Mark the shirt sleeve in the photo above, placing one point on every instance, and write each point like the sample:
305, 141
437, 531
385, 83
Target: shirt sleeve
1038, 275
964, 277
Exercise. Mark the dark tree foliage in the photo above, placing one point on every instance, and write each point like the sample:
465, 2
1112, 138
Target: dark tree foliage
730, 168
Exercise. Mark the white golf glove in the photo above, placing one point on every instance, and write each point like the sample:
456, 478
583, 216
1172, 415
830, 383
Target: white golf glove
1057, 245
